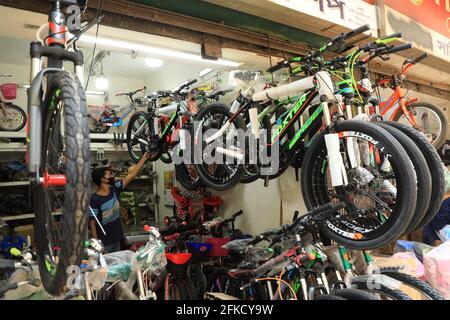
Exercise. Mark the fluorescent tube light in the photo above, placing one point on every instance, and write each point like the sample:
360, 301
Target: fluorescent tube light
154, 51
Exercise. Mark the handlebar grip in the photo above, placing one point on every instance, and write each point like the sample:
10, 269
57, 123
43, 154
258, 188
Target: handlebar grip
395, 35
278, 66
395, 49
356, 31
256, 240
237, 214
189, 83
417, 60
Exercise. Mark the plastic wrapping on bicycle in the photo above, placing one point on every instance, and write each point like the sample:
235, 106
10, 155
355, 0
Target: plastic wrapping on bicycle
269, 265
7, 265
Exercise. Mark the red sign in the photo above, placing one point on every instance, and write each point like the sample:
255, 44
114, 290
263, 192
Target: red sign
434, 14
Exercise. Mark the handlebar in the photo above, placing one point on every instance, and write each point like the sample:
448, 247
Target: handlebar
418, 59
395, 49
130, 93
352, 33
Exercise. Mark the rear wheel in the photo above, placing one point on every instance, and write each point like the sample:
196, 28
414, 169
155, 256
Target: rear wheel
217, 171
432, 121
12, 118
61, 212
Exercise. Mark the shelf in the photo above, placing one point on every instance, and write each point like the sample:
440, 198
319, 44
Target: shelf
12, 147
22, 217
14, 183
13, 135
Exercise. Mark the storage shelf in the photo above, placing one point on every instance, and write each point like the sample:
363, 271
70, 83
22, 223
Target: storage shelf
22, 217
13, 135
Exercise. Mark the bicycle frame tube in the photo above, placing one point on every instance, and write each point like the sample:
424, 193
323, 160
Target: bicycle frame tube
295, 112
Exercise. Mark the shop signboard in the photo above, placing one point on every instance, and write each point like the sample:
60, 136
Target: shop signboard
425, 23
347, 13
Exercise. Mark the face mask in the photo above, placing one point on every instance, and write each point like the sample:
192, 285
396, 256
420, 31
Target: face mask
111, 180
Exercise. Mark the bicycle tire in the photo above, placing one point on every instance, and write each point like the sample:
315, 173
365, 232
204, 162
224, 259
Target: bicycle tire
140, 116
422, 173
417, 284
441, 115
179, 284
22, 121
355, 294
435, 166
198, 281
379, 288
329, 297
235, 177
66, 89
405, 205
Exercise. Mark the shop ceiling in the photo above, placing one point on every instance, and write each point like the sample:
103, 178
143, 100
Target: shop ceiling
215, 27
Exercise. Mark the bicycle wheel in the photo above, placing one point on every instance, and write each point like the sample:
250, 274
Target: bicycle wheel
434, 165
379, 286
176, 288
355, 294
140, 130
419, 285
12, 118
65, 152
198, 281
329, 297
216, 171
380, 196
422, 173
432, 121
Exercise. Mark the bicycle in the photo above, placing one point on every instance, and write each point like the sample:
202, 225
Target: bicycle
12, 117
110, 116
58, 154
422, 116
360, 226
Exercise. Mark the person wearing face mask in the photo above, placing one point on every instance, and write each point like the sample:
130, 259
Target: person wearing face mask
104, 204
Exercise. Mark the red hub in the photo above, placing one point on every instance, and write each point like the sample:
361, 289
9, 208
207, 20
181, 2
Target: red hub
53, 180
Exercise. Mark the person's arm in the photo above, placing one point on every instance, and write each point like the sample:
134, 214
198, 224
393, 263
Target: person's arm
135, 171
93, 227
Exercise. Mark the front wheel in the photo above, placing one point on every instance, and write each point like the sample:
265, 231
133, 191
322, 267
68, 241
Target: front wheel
381, 193
431, 120
62, 212
12, 118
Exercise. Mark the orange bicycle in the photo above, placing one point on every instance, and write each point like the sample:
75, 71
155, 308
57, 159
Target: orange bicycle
424, 117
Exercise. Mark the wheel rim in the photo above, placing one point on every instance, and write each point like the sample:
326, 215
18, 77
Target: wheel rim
427, 120
10, 118
54, 196
372, 209
218, 173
